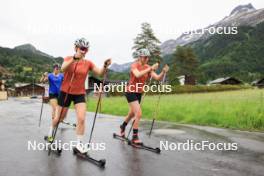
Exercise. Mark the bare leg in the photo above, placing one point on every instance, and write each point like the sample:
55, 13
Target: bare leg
129, 116
60, 114
136, 110
54, 104
80, 109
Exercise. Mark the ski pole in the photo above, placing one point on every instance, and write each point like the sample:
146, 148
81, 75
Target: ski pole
64, 101
130, 129
41, 109
98, 104
100, 107
157, 106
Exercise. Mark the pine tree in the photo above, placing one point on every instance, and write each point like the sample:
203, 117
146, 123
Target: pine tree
184, 62
148, 40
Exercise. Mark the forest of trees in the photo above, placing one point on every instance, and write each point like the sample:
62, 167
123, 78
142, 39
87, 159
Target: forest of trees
240, 55
24, 66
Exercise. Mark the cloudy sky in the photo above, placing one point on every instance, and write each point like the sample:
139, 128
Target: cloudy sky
110, 26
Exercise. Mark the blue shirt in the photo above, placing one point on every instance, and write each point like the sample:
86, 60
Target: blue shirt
55, 83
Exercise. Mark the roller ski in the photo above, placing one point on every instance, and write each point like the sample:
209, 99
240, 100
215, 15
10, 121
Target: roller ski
119, 137
83, 154
50, 139
141, 145
70, 124
122, 135
136, 143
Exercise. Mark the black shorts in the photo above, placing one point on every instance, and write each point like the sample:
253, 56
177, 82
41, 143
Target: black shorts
53, 96
70, 97
132, 96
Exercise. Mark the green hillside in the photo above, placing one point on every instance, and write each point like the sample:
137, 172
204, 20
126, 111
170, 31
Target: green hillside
240, 55
24, 65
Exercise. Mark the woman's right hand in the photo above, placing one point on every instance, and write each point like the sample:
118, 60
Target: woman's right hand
155, 66
45, 74
77, 56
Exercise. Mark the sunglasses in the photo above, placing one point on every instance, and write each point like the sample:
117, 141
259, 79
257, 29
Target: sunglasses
84, 49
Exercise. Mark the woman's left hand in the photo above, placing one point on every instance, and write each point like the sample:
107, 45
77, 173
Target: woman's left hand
166, 68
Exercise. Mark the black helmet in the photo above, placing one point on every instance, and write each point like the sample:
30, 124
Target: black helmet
56, 66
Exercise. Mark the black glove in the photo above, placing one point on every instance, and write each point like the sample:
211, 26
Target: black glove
107, 63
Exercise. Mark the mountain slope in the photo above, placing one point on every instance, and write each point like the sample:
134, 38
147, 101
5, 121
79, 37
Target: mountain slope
120, 67
240, 55
25, 62
242, 15
30, 48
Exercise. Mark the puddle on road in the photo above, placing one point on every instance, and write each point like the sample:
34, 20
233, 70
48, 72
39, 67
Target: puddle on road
168, 131
106, 119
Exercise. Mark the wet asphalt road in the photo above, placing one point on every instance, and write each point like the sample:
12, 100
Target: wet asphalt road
19, 124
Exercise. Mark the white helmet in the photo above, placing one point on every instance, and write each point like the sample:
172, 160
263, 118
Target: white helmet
143, 52
81, 42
